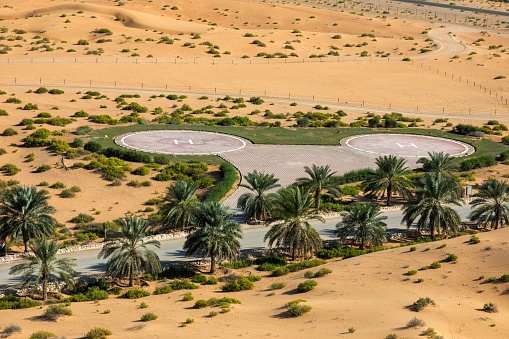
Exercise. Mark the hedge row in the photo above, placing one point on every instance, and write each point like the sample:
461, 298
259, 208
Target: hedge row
229, 174
478, 162
127, 155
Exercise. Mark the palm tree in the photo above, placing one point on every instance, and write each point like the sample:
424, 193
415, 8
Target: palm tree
491, 204
180, 203
290, 219
129, 257
390, 177
257, 205
432, 193
438, 163
25, 211
367, 225
44, 267
320, 178
214, 234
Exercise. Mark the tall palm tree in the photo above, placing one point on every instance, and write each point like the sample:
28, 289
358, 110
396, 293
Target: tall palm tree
491, 204
129, 257
438, 163
367, 225
429, 206
320, 178
214, 234
257, 204
290, 225
390, 177
43, 266
25, 211
180, 203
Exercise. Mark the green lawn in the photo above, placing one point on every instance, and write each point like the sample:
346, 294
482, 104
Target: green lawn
292, 136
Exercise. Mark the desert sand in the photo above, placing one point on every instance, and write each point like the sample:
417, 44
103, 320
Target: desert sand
343, 58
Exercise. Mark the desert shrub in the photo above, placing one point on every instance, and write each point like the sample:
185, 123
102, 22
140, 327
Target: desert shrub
490, 308
211, 281
256, 100
421, 303
188, 297
103, 119
322, 272
280, 271
277, 286
83, 130
11, 302
243, 263
13, 101
93, 146
163, 290
148, 317
3, 151
305, 264
42, 335
183, 284
135, 294
266, 267
474, 239
67, 193
415, 322
10, 329
93, 293
9, 131
41, 90
505, 278
55, 91
202, 303
30, 107
391, 336
199, 278
465, 129
213, 314
411, 272
451, 257
241, 284
271, 259
296, 309
229, 174
413, 249
58, 185
127, 155
98, 333
53, 312
434, 265
3, 113
10, 169
144, 304
142, 170
306, 286
479, 162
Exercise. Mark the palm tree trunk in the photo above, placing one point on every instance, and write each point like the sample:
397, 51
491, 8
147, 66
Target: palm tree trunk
389, 195
131, 272
44, 286
317, 200
25, 241
293, 252
213, 262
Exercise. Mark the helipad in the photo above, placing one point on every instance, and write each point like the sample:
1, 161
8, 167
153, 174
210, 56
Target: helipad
406, 145
180, 142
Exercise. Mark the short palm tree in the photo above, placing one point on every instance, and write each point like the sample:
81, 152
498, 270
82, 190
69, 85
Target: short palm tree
390, 177
25, 211
258, 204
320, 179
129, 257
491, 204
366, 224
44, 267
429, 206
290, 225
438, 163
214, 234
180, 203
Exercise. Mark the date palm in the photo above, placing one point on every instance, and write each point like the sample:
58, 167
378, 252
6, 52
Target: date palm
25, 211
429, 206
290, 222
213, 234
438, 163
180, 203
43, 266
366, 224
390, 177
129, 257
258, 203
320, 179
491, 204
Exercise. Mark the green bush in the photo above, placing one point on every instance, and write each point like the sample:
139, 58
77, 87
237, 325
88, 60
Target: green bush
474, 239
479, 162
451, 257
505, 278
277, 285
200, 304
53, 312
308, 274
10, 169
229, 174
241, 284
98, 333
421, 303
10, 329
490, 308
211, 281
93, 293
305, 264
9, 131
322, 272
243, 263
188, 297
163, 290
266, 267
415, 322
142, 170
280, 271
296, 309
199, 278
183, 284
411, 272
135, 294
149, 317
274, 259
11, 302
42, 335
84, 130
434, 265
93, 146
256, 100
306, 286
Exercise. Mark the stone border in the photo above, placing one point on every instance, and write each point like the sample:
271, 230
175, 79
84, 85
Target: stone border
466, 146
119, 141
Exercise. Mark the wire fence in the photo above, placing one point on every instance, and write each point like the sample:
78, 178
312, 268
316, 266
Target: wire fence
286, 97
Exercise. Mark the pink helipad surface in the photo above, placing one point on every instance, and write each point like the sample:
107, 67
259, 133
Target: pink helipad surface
180, 142
406, 145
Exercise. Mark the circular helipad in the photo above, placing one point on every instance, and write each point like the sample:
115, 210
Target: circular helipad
406, 145
180, 142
